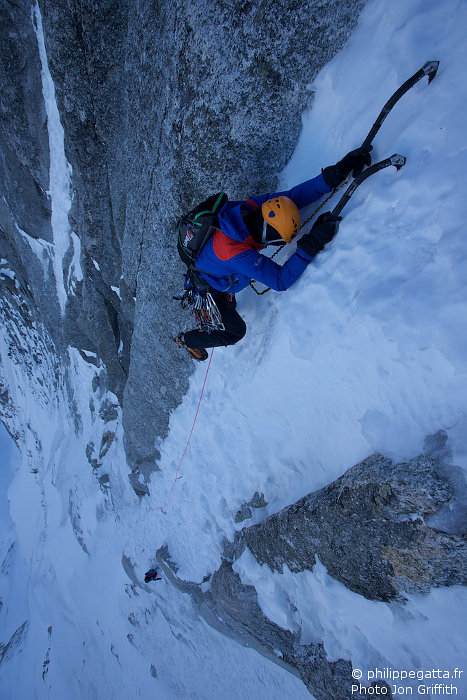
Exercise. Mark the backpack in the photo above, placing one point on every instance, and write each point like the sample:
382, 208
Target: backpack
197, 226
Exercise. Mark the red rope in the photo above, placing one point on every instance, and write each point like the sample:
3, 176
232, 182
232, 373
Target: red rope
189, 438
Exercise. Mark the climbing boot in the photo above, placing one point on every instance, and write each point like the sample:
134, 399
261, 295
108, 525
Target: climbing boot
198, 354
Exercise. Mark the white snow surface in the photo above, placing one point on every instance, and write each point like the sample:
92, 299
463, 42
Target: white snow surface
365, 353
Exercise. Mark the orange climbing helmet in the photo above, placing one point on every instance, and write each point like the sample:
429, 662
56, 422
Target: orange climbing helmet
282, 214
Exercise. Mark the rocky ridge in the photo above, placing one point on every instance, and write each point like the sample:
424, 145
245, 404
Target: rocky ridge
382, 529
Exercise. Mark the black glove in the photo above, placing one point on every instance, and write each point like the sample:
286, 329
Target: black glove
353, 162
322, 232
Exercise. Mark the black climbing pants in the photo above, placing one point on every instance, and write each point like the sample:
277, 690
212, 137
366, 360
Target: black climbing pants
235, 326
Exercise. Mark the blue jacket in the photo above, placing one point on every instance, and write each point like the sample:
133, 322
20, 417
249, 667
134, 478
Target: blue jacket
231, 258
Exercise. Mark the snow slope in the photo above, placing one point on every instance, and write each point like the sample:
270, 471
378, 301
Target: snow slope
366, 352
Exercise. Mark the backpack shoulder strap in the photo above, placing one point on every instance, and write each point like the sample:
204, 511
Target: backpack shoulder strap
253, 204
214, 202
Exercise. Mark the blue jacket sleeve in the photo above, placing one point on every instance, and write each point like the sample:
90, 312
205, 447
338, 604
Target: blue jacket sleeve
256, 266
303, 194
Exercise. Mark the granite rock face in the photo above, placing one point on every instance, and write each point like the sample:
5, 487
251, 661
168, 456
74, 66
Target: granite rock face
24, 145
25, 208
382, 529
163, 104
372, 529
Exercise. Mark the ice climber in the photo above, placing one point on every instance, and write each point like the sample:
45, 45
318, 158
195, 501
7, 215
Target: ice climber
231, 257
151, 575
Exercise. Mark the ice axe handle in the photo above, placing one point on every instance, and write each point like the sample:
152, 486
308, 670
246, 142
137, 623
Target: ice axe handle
428, 69
396, 160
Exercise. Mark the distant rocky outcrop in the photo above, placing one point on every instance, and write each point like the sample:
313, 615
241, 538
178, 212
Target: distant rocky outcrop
382, 529
371, 528
15, 643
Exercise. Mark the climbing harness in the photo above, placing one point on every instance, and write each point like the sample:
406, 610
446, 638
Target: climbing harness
205, 311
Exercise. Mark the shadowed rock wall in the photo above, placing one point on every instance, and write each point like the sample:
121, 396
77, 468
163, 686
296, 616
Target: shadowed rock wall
162, 104
25, 208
